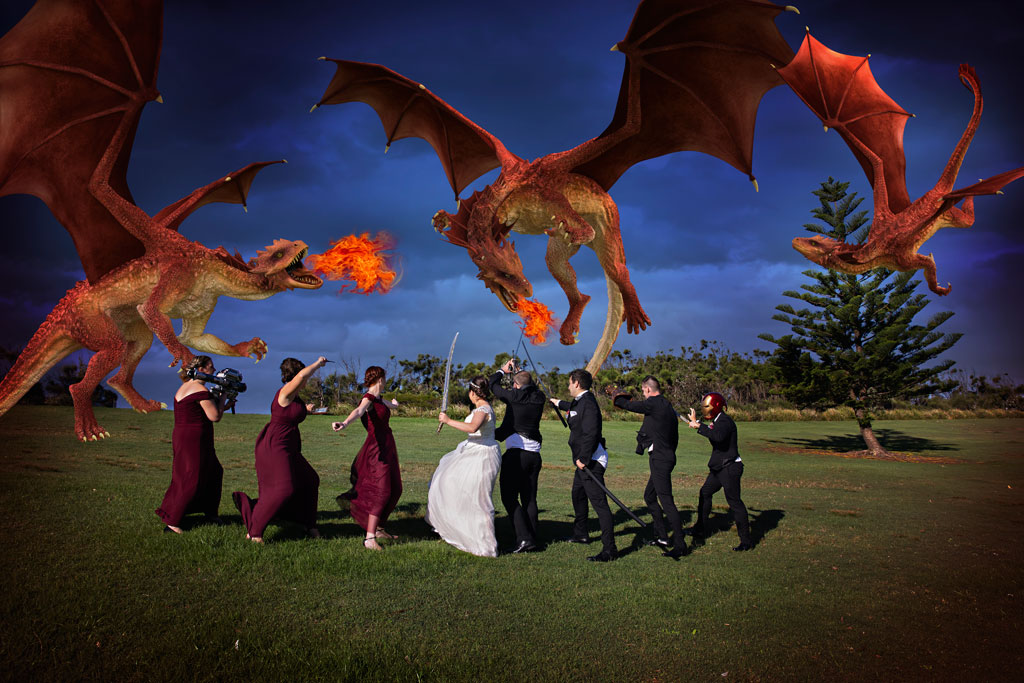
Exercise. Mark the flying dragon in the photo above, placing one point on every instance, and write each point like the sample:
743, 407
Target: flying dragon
842, 92
695, 73
74, 78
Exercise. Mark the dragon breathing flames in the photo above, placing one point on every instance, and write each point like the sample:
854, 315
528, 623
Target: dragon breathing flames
695, 72
363, 260
538, 320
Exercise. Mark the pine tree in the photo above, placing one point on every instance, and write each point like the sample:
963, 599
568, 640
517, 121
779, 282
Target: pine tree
856, 344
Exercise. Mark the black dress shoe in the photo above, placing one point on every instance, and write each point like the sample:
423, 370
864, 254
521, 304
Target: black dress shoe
744, 546
676, 553
660, 542
524, 547
576, 539
694, 531
604, 556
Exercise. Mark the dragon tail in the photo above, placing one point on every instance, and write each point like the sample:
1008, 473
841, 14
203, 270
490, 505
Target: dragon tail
612, 325
49, 345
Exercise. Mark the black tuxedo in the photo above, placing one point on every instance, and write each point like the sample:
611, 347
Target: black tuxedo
659, 435
584, 418
519, 467
725, 469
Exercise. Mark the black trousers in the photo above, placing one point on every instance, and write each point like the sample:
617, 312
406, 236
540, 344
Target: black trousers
727, 478
519, 472
658, 496
584, 489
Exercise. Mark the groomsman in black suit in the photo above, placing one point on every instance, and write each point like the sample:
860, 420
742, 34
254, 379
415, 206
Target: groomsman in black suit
658, 437
588, 453
521, 462
725, 468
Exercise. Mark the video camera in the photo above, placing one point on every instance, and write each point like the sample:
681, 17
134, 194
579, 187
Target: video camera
227, 382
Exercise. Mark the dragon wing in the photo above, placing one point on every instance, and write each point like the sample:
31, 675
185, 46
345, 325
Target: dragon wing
993, 185
694, 76
74, 77
841, 90
408, 109
230, 189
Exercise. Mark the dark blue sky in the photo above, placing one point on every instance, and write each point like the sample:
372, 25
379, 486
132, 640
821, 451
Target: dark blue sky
710, 258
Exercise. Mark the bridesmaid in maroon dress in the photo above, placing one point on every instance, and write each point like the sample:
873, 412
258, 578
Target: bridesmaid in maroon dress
378, 483
288, 484
196, 474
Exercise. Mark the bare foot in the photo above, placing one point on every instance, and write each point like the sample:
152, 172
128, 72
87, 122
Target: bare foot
383, 534
370, 543
255, 539
175, 529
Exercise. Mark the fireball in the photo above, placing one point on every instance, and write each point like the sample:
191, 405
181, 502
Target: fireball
538, 320
363, 260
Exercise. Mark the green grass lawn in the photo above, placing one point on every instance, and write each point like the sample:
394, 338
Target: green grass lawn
863, 570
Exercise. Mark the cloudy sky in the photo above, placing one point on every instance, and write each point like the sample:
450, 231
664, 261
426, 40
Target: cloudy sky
709, 257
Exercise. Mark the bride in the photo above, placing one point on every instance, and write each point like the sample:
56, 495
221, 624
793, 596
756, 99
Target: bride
459, 505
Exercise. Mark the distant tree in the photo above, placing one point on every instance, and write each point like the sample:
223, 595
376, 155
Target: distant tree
857, 345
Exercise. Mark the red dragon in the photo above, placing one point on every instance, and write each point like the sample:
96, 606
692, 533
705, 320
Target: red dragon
842, 92
74, 78
695, 73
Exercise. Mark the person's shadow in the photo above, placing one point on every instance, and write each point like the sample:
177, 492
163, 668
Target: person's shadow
761, 523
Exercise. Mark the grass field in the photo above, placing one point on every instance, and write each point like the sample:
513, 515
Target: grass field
863, 570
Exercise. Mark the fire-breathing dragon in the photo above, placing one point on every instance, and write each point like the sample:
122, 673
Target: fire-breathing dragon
694, 76
74, 78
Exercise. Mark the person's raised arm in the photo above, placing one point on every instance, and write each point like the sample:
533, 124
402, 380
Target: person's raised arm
291, 388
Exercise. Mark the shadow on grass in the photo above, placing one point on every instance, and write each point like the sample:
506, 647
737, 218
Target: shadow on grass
761, 523
891, 439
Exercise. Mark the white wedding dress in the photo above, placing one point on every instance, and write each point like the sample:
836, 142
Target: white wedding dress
459, 505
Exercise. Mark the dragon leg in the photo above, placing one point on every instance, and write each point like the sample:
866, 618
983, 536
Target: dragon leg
193, 334
100, 333
927, 264
607, 244
557, 258
139, 339
961, 218
154, 312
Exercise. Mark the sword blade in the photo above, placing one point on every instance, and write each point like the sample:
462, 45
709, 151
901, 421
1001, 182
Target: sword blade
447, 379
613, 497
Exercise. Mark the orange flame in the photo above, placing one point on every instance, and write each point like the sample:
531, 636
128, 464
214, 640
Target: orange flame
538, 320
360, 259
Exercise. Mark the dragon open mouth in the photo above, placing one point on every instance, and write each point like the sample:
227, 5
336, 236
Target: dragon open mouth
300, 274
507, 298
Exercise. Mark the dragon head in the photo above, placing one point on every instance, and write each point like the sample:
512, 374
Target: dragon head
281, 264
476, 228
829, 252
501, 271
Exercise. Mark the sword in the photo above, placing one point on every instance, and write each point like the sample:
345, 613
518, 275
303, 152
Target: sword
447, 378
544, 388
617, 501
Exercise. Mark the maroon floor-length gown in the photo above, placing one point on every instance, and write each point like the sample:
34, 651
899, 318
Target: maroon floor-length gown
196, 474
289, 486
378, 478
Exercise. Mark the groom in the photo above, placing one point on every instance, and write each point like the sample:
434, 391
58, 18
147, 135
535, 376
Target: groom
521, 462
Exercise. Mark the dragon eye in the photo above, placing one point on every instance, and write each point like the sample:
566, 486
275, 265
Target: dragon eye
278, 254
